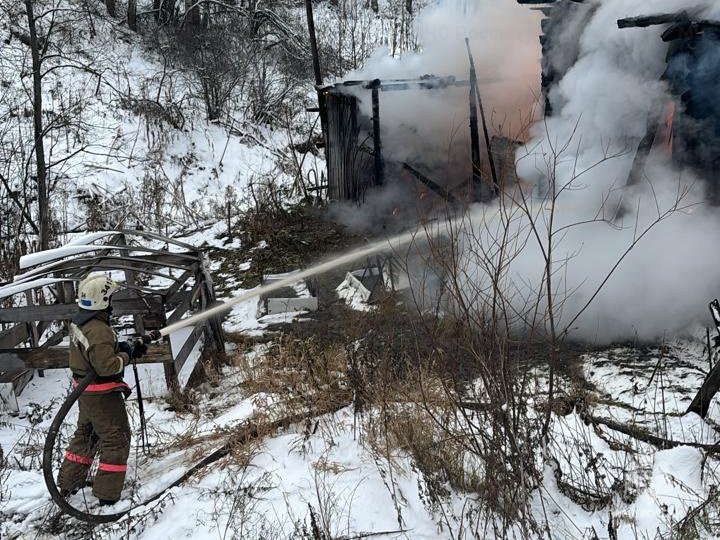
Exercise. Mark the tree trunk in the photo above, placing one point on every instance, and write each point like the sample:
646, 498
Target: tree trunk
192, 12
41, 173
132, 15
110, 5
164, 11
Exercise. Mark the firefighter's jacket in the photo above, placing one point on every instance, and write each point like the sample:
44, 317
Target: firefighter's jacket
93, 344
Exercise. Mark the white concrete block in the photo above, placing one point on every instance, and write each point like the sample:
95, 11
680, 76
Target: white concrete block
286, 305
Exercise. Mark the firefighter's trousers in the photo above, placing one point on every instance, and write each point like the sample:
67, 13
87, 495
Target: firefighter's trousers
102, 428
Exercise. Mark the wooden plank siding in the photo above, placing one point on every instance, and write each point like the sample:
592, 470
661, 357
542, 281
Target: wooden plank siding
349, 167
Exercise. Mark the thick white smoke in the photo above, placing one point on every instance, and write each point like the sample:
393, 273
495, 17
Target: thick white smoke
431, 127
601, 107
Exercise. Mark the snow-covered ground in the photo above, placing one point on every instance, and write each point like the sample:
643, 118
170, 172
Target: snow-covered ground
595, 479
119, 149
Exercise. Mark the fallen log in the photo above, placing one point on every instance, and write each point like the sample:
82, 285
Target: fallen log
643, 435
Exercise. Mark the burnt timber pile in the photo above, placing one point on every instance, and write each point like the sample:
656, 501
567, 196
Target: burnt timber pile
160, 285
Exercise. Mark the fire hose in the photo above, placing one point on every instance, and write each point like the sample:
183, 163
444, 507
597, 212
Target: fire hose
51, 438
388, 244
52, 487
242, 435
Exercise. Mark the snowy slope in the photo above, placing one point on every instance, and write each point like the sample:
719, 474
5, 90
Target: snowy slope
136, 144
328, 472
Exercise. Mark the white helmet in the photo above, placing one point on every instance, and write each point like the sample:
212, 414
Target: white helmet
94, 292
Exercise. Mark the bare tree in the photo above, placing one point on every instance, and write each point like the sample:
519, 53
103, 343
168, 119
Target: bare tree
132, 15
164, 11
38, 48
110, 6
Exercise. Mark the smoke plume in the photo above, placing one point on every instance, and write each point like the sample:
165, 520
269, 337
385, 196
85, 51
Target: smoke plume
634, 262
601, 108
429, 128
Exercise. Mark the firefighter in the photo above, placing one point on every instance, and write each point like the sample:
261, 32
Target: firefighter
102, 423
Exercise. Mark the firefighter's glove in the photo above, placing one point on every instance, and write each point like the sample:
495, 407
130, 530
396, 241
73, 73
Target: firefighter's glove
125, 347
138, 349
154, 335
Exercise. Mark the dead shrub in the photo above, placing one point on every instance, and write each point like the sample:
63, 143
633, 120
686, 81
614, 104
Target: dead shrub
455, 399
304, 374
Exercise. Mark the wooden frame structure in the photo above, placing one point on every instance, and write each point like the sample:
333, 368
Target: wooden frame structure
354, 149
356, 161
160, 285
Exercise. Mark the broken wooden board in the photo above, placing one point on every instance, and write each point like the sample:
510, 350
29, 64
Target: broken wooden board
14, 376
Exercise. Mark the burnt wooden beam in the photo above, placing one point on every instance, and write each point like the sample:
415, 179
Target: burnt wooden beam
644, 148
491, 160
653, 20
437, 188
58, 358
15, 335
377, 143
688, 29
475, 104
477, 189
710, 387
59, 312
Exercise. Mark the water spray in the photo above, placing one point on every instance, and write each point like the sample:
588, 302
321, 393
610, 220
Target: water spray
424, 233
389, 244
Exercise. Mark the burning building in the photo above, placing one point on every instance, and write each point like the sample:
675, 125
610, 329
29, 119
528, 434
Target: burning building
684, 124
365, 151
423, 140
630, 99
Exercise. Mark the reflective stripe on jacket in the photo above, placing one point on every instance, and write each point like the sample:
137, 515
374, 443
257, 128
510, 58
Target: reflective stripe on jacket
103, 387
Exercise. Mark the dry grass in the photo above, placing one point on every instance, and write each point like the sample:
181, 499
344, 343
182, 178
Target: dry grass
276, 238
296, 378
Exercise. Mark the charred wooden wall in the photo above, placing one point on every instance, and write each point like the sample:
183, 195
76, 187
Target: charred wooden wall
349, 157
